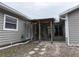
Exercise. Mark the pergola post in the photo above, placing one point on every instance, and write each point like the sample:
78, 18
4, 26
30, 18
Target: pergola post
31, 31
39, 32
35, 32
51, 27
58, 29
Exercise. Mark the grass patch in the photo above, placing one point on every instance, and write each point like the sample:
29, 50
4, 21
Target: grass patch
17, 51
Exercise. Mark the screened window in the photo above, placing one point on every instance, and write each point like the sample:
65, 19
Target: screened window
10, 22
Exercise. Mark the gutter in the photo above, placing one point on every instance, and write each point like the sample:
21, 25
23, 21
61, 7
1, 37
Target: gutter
7, 8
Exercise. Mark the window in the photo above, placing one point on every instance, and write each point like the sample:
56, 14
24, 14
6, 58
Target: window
10, 23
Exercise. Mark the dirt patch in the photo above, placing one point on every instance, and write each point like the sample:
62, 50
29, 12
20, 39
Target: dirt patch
19, 50
43, 49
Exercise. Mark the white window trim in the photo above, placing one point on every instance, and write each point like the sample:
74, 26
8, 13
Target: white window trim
5, 21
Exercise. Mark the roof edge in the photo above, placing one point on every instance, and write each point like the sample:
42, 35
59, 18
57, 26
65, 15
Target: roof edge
8, 8
69, 10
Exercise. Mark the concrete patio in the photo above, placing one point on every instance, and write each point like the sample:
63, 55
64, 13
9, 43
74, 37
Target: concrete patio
43, 49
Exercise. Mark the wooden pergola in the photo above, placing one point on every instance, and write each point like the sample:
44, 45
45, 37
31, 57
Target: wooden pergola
47, 21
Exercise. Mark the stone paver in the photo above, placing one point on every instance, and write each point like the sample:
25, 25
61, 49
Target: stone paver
36, 49
43, 49
31, 52
41, 53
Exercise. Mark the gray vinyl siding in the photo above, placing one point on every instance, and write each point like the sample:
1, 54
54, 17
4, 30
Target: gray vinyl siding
28, 28
8, 36
73, 20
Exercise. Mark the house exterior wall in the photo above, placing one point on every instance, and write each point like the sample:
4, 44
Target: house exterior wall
28, 30
73, 21
7, 36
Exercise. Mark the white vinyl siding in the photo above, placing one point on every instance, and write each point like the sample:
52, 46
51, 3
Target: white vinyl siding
11, 36
73, 19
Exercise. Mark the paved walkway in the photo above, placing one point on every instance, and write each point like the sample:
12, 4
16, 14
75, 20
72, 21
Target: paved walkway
39, 50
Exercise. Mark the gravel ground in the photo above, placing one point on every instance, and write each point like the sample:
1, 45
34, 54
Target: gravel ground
43, 49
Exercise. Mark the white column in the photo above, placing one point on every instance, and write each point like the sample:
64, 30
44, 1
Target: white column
67, 29
39, 32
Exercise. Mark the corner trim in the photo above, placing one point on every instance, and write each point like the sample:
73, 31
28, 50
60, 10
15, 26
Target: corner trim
67, 29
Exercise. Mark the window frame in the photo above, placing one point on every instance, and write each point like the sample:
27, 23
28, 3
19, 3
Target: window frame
4, 28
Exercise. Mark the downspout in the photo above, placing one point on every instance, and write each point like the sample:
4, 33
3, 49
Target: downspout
67, 32
66, 28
